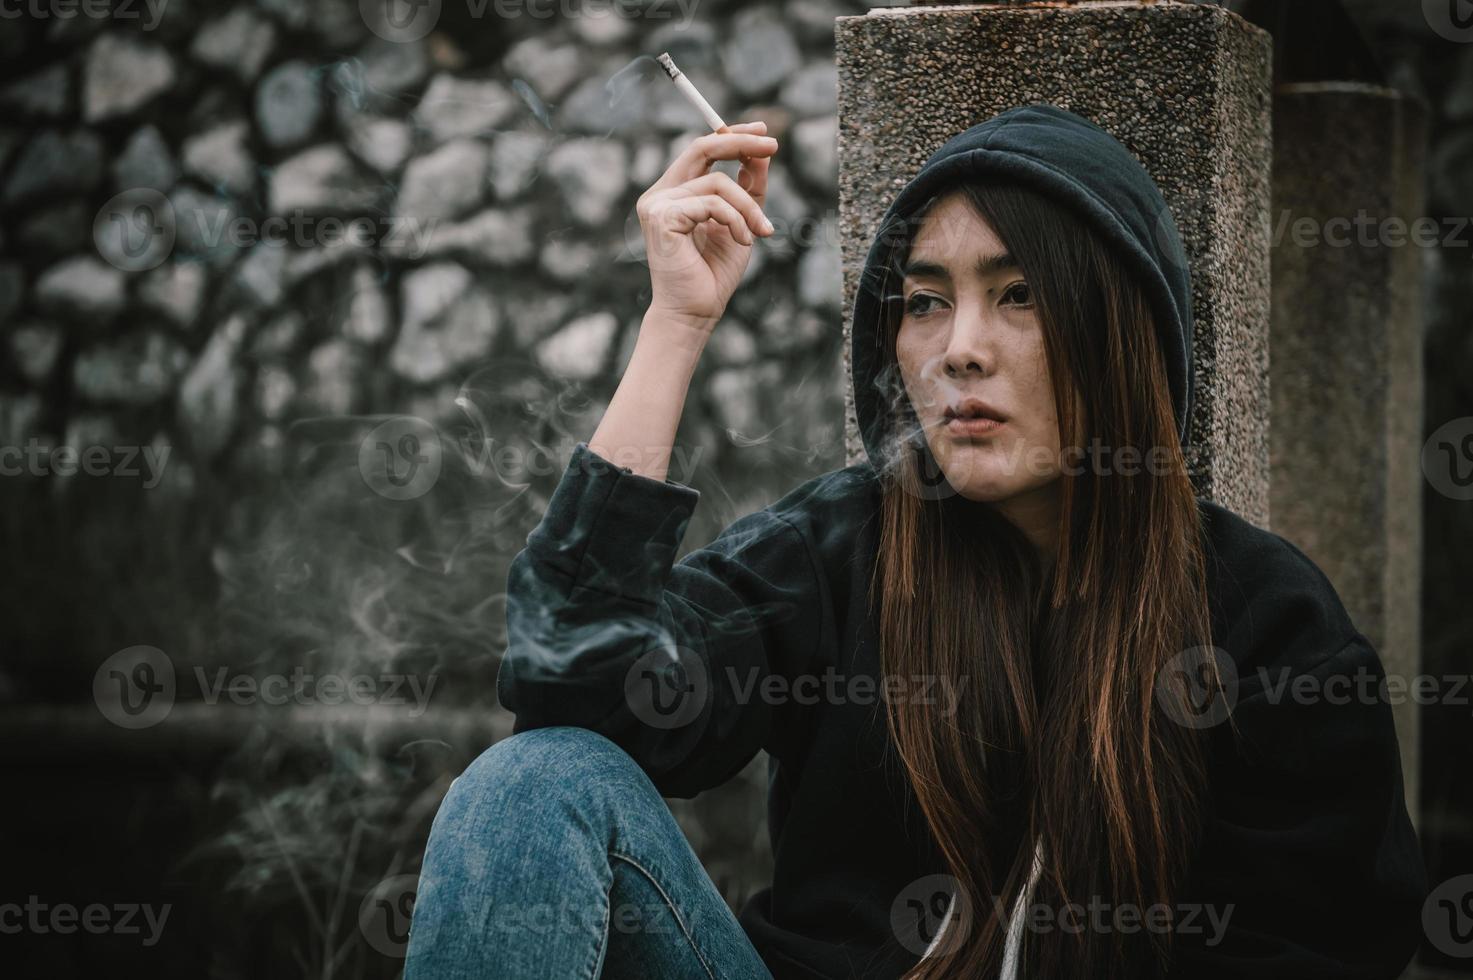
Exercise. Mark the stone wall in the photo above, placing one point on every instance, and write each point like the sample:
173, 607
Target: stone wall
249, 214
236, 238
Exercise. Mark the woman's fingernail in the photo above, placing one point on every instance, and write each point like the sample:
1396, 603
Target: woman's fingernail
766, 225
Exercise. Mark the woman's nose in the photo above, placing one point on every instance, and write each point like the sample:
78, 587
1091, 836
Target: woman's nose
969, 348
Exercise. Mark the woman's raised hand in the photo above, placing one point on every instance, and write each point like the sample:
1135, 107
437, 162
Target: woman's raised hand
699, 225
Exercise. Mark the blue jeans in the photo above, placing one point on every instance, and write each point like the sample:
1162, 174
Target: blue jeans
553, 855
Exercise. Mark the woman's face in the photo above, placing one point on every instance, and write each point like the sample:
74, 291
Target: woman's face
970, 331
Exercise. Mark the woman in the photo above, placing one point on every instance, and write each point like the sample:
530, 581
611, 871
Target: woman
1033, 709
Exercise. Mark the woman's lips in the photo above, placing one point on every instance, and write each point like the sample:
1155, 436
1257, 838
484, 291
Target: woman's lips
973, 427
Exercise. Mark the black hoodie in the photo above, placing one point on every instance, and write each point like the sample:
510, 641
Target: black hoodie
765, 640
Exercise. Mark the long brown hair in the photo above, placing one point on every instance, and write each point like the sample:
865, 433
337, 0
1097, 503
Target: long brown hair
1063, 736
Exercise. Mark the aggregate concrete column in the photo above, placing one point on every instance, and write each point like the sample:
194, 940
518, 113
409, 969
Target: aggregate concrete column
1347, 359
1184, 86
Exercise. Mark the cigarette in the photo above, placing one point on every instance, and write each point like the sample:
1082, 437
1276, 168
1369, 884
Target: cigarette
696, 99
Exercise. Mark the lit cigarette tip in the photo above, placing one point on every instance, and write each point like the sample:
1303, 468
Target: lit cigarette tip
689, 90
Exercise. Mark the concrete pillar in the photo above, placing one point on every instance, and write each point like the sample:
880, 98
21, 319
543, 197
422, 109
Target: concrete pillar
1184, 86
1347, 369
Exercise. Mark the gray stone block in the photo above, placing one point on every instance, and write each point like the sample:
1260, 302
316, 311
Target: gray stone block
1346, 432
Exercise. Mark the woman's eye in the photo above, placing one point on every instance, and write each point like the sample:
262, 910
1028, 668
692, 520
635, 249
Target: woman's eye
918, 298
1020, 289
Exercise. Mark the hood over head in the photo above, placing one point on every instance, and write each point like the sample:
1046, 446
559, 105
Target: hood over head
1065, 156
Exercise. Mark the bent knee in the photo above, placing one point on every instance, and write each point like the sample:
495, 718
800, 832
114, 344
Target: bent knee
547, 766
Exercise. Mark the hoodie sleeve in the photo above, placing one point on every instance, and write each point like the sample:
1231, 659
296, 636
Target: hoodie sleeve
606, 631
1310, 868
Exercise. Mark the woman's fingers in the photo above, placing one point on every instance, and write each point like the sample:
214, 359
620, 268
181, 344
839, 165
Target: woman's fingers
753, 177
730, 190
683, 214
696, 159
688, 194
755, 126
